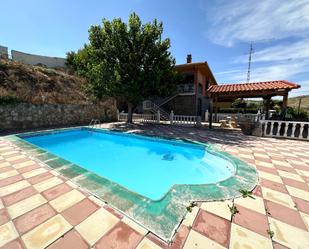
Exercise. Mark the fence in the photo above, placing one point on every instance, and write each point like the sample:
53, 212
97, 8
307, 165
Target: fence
33, 59
144, 118
184, 120
285, 129
155, 118
225, 116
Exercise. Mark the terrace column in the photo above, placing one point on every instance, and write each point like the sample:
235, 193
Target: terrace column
266, 106
210, 112
216, 108
284, 105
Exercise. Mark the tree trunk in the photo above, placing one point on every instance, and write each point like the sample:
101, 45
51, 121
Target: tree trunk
130, 114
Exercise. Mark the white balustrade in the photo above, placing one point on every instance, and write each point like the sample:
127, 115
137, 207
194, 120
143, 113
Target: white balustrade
225, 116
155, 118
285, 129
185, 120
145, 118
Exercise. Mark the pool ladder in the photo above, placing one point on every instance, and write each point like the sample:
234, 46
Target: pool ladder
94, 122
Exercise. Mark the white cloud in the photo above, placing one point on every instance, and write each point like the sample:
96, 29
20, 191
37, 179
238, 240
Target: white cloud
281, 22
284, 52
279, 71
304, 90
257, 20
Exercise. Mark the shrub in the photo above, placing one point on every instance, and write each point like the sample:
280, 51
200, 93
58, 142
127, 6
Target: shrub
3, 65
239, 103
237, 110
293, 113
9, 100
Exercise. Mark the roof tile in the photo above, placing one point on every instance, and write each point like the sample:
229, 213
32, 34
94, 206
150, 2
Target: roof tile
254, 86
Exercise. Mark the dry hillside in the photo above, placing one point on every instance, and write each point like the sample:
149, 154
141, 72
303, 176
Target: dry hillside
304, 102
39, 85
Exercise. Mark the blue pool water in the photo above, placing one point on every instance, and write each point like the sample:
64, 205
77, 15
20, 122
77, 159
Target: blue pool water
146, 166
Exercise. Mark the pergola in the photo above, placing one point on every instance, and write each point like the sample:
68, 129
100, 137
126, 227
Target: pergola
265, 90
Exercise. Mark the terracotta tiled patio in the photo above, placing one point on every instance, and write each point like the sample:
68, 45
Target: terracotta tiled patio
41, 209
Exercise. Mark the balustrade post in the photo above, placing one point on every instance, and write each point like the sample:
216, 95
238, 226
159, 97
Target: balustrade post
206, 116
263, 124
293, 129
271, 128
118, 115
172, 117
278, 129
198, 121
158, 116
301, 129
286, 127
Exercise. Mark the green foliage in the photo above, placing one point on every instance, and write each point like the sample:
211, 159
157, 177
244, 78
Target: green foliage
47, 71
236, 110
233, 209
246, 193
293, 113
276, 104
129, 61
8, 100
191, 206
239, 103
3, 65
270, 233
253, 105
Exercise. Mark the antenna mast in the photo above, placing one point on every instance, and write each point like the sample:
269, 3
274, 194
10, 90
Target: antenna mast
249, 62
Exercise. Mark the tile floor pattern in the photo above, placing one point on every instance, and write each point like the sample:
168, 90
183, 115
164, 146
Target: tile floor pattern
41, 209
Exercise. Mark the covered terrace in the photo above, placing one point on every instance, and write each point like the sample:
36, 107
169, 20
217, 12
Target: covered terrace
265, 90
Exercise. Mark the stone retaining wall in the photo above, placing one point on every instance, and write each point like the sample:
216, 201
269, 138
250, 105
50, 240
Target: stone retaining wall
25, 116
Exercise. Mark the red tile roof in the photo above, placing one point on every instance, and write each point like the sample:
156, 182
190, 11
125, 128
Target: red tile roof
252, 87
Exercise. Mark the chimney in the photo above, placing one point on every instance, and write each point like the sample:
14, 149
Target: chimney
189, 58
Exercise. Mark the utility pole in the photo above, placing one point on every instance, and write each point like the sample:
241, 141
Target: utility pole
251, 51
299, 102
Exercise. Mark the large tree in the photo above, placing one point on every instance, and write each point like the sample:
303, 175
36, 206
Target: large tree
128, 61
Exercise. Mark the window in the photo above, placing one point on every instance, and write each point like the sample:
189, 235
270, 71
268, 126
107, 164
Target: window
189, 78
200, 88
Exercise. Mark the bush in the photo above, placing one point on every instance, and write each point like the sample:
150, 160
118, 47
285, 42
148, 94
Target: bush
8, 100
3, 65
237, 110
239, 103
47, 71
293, 113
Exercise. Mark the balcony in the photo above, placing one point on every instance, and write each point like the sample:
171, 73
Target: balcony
185, 88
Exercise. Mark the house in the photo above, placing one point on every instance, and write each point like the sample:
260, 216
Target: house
199, 92
191, 97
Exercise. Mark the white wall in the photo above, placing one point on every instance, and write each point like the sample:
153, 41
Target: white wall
3, 52
36, 59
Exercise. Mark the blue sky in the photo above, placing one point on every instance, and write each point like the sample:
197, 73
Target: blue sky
217, 31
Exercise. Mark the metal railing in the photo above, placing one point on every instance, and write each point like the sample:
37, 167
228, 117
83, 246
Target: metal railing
94, 122
148, 105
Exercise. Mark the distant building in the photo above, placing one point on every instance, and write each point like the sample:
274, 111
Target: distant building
4, 52
32, 59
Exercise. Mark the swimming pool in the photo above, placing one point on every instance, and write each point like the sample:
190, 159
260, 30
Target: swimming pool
149, 179
149, 167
